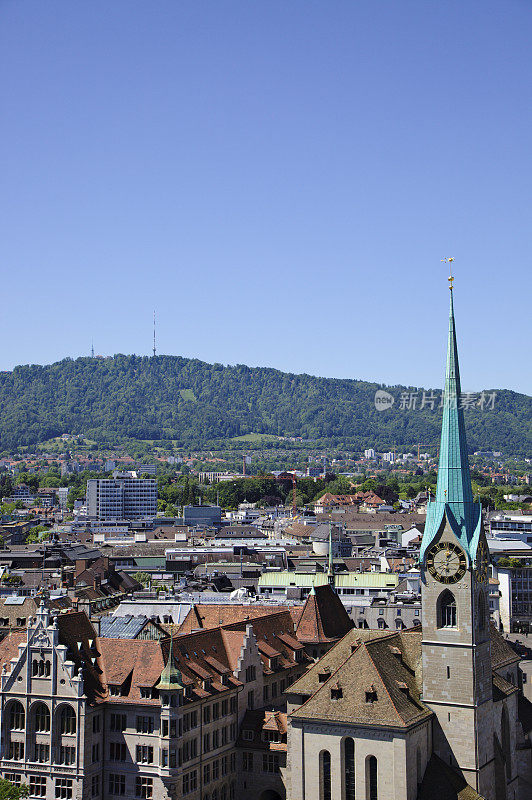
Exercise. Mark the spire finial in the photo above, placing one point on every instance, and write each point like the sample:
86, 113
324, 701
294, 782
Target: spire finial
449, 261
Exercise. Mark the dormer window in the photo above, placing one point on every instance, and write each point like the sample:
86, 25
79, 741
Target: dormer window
336, 692
270, 736
247, 735
371, 695
324, 676
115, 690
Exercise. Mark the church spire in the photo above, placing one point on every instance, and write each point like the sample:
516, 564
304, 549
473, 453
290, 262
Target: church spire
454, 496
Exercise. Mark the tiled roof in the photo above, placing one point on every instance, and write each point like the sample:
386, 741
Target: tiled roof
375, 677
324, 618
501, 652
213, 615
372, 686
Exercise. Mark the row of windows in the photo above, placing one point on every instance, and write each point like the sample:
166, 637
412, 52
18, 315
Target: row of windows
349, 774
63, 787
41, 753
219, 768
40, 718
270, 762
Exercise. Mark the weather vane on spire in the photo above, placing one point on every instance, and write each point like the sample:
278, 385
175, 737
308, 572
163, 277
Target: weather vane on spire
451, 277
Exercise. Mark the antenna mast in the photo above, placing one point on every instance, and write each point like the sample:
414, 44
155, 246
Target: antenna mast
154, 350
92, 349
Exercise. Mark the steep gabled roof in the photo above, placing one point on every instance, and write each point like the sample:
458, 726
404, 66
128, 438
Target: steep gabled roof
374, 686
324, 618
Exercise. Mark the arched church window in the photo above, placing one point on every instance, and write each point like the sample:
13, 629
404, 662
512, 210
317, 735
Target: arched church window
349, 768
68, 720
17, 717
42, 718
506, 744
447, 617
482, 611
372, 789
325, 775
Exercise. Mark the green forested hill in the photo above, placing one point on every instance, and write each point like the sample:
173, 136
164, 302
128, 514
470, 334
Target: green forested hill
169, 397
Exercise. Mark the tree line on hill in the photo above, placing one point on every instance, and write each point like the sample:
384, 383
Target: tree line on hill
194, 403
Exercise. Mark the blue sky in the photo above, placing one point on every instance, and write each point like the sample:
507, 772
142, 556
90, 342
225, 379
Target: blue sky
279, 180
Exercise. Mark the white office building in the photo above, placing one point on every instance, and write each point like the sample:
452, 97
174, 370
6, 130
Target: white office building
121, 498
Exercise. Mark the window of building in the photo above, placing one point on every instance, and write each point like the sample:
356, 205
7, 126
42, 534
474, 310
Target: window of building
371, 695
95, 752
247, 761
270, 763
144, 754
37, 786
274, 690
117, 784
215, 770
270, 736
206, 742
233, 762
349, 768
225, 707
371, 778
96, 724
251, 699
63, 787
143, 788
247, 735
336, 692
207, 774
215, 710
95, 785
13, 777
145, 724
68, 720
325, 775
17, 717
482, 611
42, 753
118, 722
117, 751
16, 751
146, 692
207, 714
42, 718
251, 673
447, 610
265, 694
67, 755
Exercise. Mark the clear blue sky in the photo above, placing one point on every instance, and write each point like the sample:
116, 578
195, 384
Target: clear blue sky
279, 179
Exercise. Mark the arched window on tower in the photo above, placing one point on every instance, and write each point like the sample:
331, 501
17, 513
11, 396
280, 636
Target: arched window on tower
349, 768
447, 617
372, 789
506, 744
325, 775
482, 611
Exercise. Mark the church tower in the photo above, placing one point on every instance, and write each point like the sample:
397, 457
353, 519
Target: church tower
457, 672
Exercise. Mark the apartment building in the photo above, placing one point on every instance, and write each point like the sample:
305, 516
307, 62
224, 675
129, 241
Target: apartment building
121, 498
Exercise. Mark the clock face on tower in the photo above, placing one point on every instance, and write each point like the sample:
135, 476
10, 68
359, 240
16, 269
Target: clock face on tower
482, 561
446, 562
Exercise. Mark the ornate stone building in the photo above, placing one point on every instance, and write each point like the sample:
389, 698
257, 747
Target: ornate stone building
430, 713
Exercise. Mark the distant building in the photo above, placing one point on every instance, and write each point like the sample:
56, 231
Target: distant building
204, 516
121, 498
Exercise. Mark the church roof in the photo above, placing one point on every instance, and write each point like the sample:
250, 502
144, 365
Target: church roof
375, 678
324, 618
375, 685
454, 497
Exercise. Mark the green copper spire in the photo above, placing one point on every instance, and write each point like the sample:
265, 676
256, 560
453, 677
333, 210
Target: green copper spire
170, 676
454, 497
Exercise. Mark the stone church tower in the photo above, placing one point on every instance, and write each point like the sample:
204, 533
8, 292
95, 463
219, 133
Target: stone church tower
456, 655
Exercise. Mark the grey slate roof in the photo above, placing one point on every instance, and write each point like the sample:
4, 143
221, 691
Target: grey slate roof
127, 627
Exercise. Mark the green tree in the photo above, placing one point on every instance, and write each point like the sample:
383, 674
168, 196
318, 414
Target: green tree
10, 791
